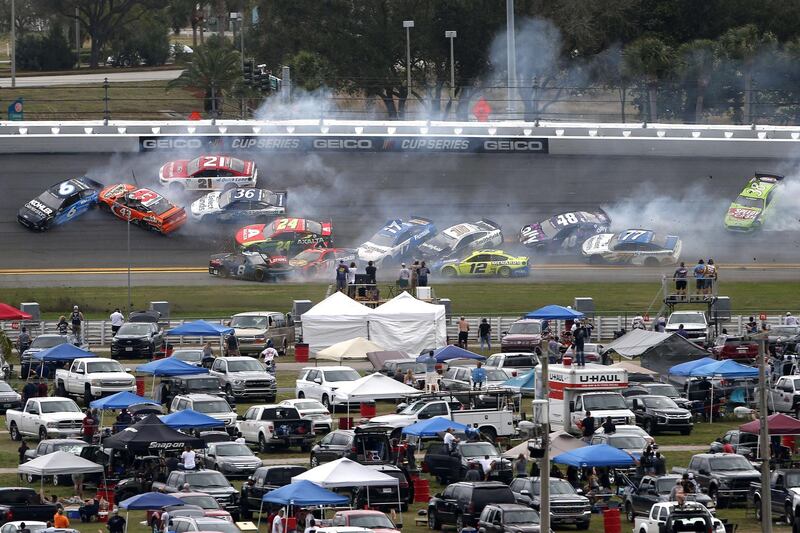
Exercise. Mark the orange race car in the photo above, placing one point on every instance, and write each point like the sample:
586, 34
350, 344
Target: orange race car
142, 207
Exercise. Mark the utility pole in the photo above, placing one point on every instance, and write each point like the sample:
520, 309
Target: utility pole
452, 35
408, 24
13, 46
77, 40
511, 52
544, 469
763, 439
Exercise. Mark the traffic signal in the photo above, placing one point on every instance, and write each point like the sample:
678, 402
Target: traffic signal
265, 82
274, 83
248, 70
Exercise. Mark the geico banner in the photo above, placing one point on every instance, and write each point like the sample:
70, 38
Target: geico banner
302, 143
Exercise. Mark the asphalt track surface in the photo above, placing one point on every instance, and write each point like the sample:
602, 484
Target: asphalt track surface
358, 192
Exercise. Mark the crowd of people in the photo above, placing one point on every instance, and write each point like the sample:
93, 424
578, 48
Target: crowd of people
706, 274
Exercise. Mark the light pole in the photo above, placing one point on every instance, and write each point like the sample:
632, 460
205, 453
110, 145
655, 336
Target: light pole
763, 433
451, 34
13, 46
408, 24
240, 18
511, 52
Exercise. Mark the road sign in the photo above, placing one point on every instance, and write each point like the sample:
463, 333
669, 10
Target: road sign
15, 111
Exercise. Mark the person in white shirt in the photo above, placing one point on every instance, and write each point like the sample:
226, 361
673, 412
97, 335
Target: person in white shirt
117, 319
269, 353
188, 458
165, 521
450, 440
790, 320
277, 522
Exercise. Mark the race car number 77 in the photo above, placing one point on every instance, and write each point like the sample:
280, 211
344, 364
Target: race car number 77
632, 235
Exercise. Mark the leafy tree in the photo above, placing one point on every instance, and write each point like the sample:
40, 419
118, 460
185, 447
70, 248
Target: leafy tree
610, 71
744, 45
146, 38
45, 52
698, 60
650, 59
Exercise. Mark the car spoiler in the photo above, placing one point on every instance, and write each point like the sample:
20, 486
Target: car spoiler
93, 183
490, 222
776, 177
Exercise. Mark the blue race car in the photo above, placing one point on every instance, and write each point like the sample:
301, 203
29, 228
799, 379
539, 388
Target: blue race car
397, 239
564, 233
60, 203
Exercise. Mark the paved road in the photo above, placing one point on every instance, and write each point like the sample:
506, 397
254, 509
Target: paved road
91, 78
360, 191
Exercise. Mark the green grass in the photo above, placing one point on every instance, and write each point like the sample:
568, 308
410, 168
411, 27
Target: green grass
471, 298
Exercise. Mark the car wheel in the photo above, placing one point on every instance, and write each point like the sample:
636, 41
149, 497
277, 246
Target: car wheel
648, 426
301, 395
757, 505
433, 520
87, 396
14, 432
30, 478
488, 433
449, 272
651, 262
42, 433
629, 514
326, 402
259, 275
314, 461
788, 516
459, 522
262, 443
504, 272
60, 390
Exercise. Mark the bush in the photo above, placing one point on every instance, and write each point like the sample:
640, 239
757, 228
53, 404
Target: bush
49, 52
145, 41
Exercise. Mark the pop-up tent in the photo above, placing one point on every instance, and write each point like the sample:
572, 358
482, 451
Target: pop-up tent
169, 366
120, 400
62, 352
522, 384
149, 500
657, 351
375, 386
9, 312
598, 455
190, 419
405, 323
560, 442
304, 494
555, 312
58, 463
151, 434
777, 424
727, 368
685, 369
349, 350
433, 426
451, 352
335, 319
201, 328
345, 472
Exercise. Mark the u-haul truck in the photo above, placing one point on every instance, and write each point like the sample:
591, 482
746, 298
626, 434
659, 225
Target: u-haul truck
574, 390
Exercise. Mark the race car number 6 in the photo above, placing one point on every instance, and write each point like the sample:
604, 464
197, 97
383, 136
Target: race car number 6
66, 188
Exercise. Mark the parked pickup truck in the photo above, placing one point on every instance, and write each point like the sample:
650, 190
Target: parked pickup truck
667, 517
743, 443
276, 425
567, 506
209, 481
244, 377
53, 417
652, 490
784, 492
18, 503
784, 395
266, 479
491, 423
93, 377
450, 467
723, 476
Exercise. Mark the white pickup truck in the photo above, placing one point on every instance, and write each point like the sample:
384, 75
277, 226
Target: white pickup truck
491, 422
692, 513
45, 418
784, 395
93, 377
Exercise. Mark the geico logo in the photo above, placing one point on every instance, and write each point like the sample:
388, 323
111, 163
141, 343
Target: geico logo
343, 144
513, 146
171, 143
266, 142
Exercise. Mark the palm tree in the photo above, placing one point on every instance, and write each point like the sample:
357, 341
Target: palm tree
698, 60
744, 44
650, 59
214, 70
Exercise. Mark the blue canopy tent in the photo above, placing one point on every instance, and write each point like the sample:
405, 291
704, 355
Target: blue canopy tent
190, 419
147, 501
449, 352
727, 369
304, 493
432, 427
555, 312
685, 369
60, 353
201, 328
120, 400
523, 384
598, 455
169, 367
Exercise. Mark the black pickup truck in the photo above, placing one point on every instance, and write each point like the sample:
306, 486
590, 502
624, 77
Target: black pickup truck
639, 499
211, 482
724, 476
265, 479
784, 486
19, 503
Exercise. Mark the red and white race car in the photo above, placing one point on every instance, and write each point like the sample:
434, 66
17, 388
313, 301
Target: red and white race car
142, 207
208, 173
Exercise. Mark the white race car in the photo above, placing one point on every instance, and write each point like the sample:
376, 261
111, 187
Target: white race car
208, 173
235, 205
458, 240
634, 247
397, 239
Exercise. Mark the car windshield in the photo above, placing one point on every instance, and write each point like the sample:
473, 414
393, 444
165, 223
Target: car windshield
202, 384
103, 366
220, 526
313, 227
659, 402
60, 406
731, 462
687, 318
495, 374
601, 402
212, 406
48, 341
522, 516
441, 242
5, 387
341, 375
663, 390
34, 528
245, 365
525, 328
665, 485
416, 368
382, 239
134, 328
206, 480
201, 500
191, 356
557, 486
308, 405
50, 200
249, 322
370, 521
70, 447
478, 449
746, 201
793, 479
627, 442
228, 450
413, 408
783, 331
309, 255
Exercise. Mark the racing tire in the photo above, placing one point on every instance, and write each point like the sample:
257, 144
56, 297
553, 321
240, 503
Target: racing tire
259, 275
651, 262
504, 272
449, 272
262, 443
42, 433
433, 520
61, 390
14, 432
629, 514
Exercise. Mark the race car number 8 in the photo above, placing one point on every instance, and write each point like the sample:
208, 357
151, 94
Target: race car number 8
66, 189
240, 270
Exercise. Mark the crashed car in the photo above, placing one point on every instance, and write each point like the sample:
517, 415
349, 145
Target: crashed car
484, 263
142, 207
321, 262
748, 211
397, 239
239, 204
462, 239
249, 266
59, 204
564, 232
208, 173
632, 247
285, 236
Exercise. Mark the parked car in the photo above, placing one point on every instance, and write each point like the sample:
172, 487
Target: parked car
15, 527
275, 425
659, 413
19, 503
311, 410
695, 325
452, 466
668, 517
190, 384
39, 344
244, 377
784, 488
723, 476
366, 445
514, 363
628, 429
255, 328
743, 443
266, 479
655, 388
9, 398
639, 499
212, 406
391, 366
45, 417
208, 481
137, 339
375, 521
739, 348
320, 383
192, 356
73, 446
184, 524
207, 505
231, 458
386, 497
461, 504
93, 377
508, 518
567, 506
633, 444
524, 335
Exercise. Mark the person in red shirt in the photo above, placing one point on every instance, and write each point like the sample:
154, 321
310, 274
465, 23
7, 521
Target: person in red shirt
728, 448
89, 427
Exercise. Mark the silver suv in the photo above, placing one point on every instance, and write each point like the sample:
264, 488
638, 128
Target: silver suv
244, 377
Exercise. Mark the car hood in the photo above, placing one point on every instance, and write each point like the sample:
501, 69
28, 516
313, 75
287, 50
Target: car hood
206, 204
216, 491
741, 216
307, 412
110, 375
248, 332
577, 498
392, 420
372, 252
251, 375
597, 244
522, 337
532, 233
62, 417
670, 411
739, 474
30, 212
521, 528
119, 337
239, 459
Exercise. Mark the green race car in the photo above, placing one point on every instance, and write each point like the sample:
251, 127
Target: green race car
746, 213
484, 263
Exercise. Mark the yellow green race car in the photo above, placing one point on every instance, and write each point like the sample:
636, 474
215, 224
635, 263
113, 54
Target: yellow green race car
484, 263
747, 212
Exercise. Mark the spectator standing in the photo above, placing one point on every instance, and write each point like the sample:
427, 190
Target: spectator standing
790, 320
188, 458
711, 277
62, 325
609, 427
232, 344
414, 276
659, 464
23, 447
699, 271
30, 390
463, 332
661, 324
728, 448
431, 378
409, 378
116, 524
208, 355
450, 440
553, 348
580, 339
472, 474
117, 319
372, 273
341, 276
587, 426
60, 520
403, 277
680, 279
681, 331
277, 522
351, 273
88, 427
478, 376
752, 326
76, 319
165, 521
423, 273
521, 466
398, 375
23, 340
484, 333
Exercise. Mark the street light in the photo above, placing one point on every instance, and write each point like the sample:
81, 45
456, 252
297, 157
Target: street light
452, 35
408, 24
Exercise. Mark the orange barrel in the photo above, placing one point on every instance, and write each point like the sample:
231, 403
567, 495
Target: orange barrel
368, 409
345, 422
290, 523
788, 441
140, 385
106, 492
301, 352
422, 490
611, 521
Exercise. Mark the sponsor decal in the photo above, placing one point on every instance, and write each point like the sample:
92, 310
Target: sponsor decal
742, 213
165, 445
39, 206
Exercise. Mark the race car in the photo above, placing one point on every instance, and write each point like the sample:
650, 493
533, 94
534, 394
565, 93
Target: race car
142, 207
60, 203
564, 232
208, 173
747, 212
320, 262
634, 247
249, 266
285, 236
396, 239
239, 204
461, 239
484, 263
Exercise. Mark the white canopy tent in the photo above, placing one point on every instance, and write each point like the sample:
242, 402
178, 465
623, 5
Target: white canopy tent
375, 386
335, 319
58, 463
349, 350
405, 323
345, 472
